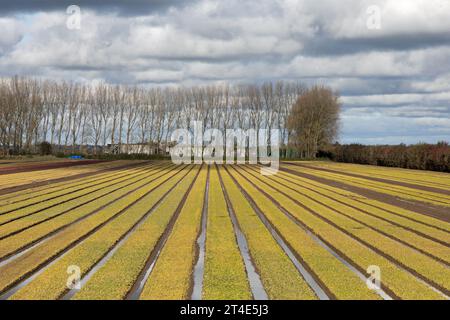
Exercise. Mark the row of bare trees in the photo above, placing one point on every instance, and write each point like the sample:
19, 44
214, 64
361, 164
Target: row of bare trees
73, 116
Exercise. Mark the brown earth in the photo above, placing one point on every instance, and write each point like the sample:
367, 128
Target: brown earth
47, 166
77, 176
438, 212
403, 184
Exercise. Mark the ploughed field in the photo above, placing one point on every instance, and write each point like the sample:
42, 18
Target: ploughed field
155, 230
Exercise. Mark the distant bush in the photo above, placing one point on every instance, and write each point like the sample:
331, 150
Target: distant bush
45, 148
423, 156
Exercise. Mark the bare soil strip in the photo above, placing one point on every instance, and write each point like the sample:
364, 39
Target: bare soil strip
305, 271
424, 279
199, 266
368, 213
18, 283
64, 179
430, 210
105, 183
88, 275
31, 245
48, 166
69, 210
440, 199
258, 291
394, 182
84, 184
362, 222
138, 286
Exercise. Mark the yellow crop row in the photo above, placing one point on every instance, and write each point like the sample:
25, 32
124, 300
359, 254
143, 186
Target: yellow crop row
420, 178
401, 283
172, 275
398, 191
224, 276
25, 264
74, 197
51, 284
15, 242
59, 189
426, 224
280, 277
304, 195
17, 179
340, 281
412, 220
129, 260
420, 263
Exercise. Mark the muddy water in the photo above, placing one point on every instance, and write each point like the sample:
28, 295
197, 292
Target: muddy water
200, 264
320, 293
258, 291
305, 274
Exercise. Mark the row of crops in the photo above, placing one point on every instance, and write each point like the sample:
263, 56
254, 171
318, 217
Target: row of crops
161, 231
44, 175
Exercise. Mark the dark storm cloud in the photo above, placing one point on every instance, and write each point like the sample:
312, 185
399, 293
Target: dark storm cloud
122, 7
326, 45
394, 82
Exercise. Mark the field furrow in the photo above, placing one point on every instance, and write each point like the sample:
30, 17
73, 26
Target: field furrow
400, 282
424, 228
92, 249
278, 274
333, 276
225, 276
311, 199
426, 267
171, 277
33, 234
24, 265
398, 191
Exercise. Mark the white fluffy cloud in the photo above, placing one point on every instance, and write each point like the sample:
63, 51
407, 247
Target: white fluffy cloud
397, 72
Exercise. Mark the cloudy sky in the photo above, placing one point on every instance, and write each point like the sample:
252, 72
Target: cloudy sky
389, 59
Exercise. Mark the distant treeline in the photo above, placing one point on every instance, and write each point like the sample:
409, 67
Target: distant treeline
423, 156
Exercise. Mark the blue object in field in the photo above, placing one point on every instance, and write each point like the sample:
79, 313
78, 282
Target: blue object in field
76, 157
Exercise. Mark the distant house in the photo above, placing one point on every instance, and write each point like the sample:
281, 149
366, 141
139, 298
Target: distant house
139, 148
